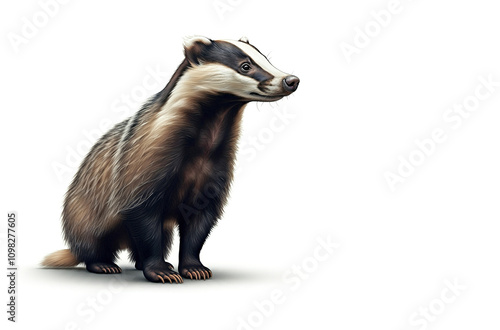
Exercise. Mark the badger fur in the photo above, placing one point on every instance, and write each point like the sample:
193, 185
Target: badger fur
170, 165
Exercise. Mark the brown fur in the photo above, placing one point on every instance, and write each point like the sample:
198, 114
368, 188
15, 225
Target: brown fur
108, 182
59, 259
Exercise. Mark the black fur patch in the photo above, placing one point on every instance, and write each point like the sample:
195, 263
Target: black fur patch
233, 57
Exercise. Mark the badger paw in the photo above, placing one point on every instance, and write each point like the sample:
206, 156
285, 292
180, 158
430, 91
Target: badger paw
195, 272
103, 268
139, 265
162, 274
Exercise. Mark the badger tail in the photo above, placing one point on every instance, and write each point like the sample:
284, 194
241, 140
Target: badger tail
59, 259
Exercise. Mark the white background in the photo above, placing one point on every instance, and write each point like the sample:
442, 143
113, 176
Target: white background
320, 176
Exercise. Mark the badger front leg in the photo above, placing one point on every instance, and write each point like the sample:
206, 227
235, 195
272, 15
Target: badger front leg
145, 227
167, 241
193, 233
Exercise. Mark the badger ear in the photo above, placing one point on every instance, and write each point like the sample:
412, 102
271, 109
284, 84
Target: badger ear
244, 39
193, 47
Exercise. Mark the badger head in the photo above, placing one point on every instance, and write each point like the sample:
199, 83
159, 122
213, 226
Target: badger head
235, 68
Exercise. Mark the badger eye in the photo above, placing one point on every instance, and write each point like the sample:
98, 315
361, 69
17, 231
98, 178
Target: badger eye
245, 67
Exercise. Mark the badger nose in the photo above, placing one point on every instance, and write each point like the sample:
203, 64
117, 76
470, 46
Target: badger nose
290, 83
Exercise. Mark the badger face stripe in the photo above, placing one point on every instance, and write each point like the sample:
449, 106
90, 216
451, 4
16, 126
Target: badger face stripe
258, 58
235, 58
234, 67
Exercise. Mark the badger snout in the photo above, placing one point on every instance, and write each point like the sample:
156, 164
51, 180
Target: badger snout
290, 83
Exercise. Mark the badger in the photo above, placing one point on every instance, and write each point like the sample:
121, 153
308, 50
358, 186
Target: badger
170, 165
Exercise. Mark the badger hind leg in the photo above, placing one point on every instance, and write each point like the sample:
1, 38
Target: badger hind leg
103, 268
103, 263
99, 254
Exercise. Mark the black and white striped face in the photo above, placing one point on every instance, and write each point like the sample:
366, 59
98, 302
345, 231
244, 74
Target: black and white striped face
237, 68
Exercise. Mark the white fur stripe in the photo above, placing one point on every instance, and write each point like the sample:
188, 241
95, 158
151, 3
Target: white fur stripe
258, 58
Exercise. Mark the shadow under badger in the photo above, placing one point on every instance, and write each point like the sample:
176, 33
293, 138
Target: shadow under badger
169, 165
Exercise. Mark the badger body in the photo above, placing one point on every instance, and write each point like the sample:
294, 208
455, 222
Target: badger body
170, 165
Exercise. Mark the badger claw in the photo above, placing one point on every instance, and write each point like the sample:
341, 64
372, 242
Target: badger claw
103, 268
